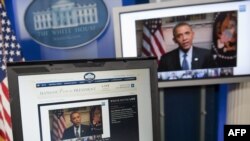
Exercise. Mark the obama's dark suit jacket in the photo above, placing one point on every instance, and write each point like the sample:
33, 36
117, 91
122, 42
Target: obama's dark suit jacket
201, 59
69, 133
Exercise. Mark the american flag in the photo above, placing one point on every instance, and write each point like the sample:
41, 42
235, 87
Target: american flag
9, 52
153, 41
58, 125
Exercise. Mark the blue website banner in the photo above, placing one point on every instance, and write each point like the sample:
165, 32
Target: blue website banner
63, 83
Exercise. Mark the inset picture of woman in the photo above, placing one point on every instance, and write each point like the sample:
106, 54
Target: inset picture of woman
225, 39
96, 120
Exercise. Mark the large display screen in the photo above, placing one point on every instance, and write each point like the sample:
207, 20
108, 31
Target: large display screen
205, 41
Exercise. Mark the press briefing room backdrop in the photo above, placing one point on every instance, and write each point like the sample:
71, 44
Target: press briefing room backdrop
182, 106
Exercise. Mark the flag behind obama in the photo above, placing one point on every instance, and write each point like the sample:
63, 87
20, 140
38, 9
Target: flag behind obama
10, 51
58, 125
153, 41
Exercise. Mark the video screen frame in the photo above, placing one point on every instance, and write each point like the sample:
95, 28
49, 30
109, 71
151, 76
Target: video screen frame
212, 75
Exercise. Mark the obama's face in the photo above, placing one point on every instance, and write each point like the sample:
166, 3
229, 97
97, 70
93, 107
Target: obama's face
183, 36
75, 118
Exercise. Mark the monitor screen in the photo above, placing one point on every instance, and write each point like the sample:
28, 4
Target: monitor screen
85, 100
203, 41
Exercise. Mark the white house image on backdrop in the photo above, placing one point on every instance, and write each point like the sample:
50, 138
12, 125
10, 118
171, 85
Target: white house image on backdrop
65, 13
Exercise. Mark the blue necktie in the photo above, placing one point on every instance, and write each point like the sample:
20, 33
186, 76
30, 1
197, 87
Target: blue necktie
185, 62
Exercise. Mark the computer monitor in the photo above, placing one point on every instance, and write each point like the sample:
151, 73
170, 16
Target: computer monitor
219, 31
111, 99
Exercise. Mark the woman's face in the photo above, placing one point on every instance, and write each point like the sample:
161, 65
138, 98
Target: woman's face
97, 115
